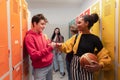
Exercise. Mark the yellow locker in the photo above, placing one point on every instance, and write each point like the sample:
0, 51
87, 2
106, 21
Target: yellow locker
119, 43
96, 27
108, 32
4, 55
96, 30
119, 73
15, 31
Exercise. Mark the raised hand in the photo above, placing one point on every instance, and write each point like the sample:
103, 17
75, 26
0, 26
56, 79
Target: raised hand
58, 44
52, 44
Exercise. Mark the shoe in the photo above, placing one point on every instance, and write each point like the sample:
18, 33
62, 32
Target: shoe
56, 70
62, 74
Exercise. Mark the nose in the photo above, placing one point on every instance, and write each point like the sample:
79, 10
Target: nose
44, 26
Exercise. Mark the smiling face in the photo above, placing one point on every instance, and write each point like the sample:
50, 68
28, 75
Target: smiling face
82, 25
38, 23
39, 27
57, 31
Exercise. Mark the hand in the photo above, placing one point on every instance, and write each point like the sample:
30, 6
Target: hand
49, 41
58, 44
52, 44
94, 67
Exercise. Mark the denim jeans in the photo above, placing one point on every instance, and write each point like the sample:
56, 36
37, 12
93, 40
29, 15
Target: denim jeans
58, 62
43, 73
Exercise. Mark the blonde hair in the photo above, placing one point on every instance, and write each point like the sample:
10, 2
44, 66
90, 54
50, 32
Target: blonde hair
73, 28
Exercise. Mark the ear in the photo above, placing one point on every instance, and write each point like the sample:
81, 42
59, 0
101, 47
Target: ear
34, 23
87, 23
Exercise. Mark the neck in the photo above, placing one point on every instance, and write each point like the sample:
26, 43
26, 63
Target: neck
85, 32
35, 31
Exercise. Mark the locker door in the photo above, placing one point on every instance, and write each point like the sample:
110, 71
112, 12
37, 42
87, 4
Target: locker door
24, 19
96, 30
7, 78
4, 55
15, 39
108, 32
24, 29
17, 72
15, 31
119, 43
96, 27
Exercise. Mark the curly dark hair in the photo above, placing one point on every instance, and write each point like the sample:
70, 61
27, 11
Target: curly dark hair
91, 19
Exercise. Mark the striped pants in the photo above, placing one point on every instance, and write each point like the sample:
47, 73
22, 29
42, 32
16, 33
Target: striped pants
79, 73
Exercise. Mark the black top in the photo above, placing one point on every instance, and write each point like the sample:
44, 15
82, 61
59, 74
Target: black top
88, 43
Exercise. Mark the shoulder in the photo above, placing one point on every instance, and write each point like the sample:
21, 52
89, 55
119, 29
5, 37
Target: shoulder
30, 36
96, 40
94, 36
61, 36
45, 35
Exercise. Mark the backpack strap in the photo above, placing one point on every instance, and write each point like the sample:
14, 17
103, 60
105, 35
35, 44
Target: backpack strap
75, 39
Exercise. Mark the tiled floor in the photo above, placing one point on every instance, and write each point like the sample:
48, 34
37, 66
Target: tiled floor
57, 76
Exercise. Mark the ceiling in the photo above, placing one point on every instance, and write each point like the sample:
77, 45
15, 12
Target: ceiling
56, 11
52, 3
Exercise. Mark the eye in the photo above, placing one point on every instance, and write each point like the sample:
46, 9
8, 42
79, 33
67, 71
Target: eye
78, 22
42, 23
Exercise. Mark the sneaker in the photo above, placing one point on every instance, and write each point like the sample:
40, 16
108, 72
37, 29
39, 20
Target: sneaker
56, 70
62, 73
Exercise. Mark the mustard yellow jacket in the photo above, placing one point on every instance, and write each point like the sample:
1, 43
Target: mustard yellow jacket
103, 56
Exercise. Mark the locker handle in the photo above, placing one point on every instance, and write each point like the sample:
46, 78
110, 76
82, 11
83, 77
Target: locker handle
102, 28
12, 26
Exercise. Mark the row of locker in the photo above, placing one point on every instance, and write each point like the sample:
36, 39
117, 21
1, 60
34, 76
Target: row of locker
107, 28
13, 26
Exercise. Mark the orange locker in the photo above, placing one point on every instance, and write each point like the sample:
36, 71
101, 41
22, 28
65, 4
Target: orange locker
108, 32
26, 68
17, 73
24, 29
15, 31
7, 78
4, 61
4, 55
24, 20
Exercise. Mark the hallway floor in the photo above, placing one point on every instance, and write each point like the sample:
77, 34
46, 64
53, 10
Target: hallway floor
57, 76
